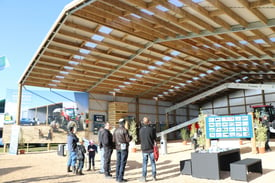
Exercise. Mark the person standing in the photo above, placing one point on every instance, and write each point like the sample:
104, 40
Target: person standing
121, 139
92, 150
101, 150
147, 135
107, 143
80, 157
72, 140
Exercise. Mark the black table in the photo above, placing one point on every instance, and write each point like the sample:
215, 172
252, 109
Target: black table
209, 164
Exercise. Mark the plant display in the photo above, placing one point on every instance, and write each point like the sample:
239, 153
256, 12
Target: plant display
185, 134
201, 136
260, 131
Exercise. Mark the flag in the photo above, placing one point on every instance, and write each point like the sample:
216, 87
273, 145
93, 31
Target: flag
4, 63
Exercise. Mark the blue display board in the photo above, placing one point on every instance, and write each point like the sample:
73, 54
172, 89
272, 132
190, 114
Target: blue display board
235, 126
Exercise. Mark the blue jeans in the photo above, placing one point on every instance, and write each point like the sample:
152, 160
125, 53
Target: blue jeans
101, 151
121, 161
80, 164
145, 162
72, 159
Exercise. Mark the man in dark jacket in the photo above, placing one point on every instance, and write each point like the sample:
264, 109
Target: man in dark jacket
147, 135
107, 143
72, 144
121, 139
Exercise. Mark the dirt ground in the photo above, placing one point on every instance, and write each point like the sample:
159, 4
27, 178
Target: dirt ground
49, 167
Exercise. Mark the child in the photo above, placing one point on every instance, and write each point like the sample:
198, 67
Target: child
92, 149
80, 157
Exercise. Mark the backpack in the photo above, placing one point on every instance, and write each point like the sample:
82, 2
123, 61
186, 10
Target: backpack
79, 152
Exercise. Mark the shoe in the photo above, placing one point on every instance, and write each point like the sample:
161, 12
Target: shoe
142, 179
108, 177
123, 180
69, 169
154, 179
88, 169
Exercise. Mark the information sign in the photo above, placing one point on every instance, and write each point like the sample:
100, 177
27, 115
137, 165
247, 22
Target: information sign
234, 126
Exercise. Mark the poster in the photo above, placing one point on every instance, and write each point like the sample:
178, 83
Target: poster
234, 126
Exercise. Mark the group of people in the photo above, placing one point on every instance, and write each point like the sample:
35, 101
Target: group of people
118, 140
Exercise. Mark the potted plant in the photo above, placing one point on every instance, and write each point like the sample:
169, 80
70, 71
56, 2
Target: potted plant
185, 135
260, 134
133, 133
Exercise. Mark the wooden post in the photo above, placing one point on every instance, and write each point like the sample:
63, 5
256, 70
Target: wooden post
19, 100
253, 139
49, 147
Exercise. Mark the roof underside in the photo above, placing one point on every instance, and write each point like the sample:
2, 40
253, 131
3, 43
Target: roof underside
171, 50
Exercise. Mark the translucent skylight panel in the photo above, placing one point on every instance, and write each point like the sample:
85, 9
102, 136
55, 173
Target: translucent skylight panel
165, 93
64, 72
159, 63
217, 67
230, 44
60, 77
127, 83
132, 79
202, 75
97, 37
243, 42
162, 8
176, 87
147, 12
189, 81
121, 86
92, 45
176, 3
206, 46
56, 81
117, 89
78, 57
152, 67
175, 53
245, 77
145, 72
68, 68
182, 84
196, 78
84, 51
272, 39
52, 84
209, 71
105, 30
73, 62
171, 90
237, 80
197, 1
139, 75
217, 45
259, 41
160, 95
135, 15
125, 19
167, 58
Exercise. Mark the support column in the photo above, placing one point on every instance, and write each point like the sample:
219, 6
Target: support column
19, 101
157, 115
163, 144
137, 111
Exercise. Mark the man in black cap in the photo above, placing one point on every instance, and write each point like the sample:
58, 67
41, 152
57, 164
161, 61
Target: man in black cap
121, 139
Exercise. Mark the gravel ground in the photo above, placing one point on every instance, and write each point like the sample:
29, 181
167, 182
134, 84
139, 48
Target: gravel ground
49, 167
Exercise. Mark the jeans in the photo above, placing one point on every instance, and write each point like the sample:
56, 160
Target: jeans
72, 159
101, 152
121, 161
80, 164
145, 162
107, 160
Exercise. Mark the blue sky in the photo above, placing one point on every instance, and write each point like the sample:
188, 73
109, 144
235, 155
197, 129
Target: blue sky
23, 27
